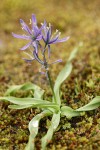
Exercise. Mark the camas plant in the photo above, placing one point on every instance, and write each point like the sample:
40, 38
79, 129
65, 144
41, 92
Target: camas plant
53, 108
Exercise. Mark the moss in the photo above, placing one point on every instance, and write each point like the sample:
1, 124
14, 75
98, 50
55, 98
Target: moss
80, 20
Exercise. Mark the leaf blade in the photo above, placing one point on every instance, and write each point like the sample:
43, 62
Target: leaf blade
69, 112
33, 128
38, 92
31, 101
60, 78
19, 106
54, 124
74, 52
93, 104
65, 72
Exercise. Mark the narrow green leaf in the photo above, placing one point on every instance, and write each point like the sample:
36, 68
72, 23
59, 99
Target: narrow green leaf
95, 103
54, 124
24, 101
65, 72
38, 92
19, 106
61, 77
33, 128
31, 101
69, 112
74, 52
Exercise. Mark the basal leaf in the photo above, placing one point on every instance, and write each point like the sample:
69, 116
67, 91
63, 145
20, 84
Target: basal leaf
19, 106
61, 77
22, 101
74, 52
65, 72
95, 103
69, 112
51, 108
38, 92
54, 124
31, 101
33, 128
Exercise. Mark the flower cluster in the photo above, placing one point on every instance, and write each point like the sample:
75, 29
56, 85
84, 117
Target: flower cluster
35, 36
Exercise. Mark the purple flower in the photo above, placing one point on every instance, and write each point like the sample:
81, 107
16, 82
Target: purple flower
49, 39
34, 35
36, 57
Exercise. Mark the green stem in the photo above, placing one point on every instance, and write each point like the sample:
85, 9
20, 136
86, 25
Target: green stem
50, 83
48, 74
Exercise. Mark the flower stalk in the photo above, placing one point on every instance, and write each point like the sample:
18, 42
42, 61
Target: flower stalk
50, 83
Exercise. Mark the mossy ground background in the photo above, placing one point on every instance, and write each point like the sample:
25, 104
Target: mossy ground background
80, 20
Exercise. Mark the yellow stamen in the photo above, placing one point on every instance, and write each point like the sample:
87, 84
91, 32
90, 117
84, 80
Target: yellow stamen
41, 23
49, 24
30, 21
48, 28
